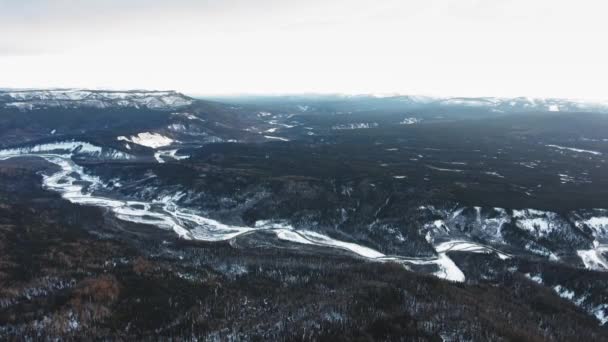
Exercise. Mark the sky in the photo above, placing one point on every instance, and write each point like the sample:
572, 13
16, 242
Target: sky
542, 48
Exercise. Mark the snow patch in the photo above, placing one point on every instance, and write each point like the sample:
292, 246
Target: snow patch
362, 125
152, 140
575, 149
275, 138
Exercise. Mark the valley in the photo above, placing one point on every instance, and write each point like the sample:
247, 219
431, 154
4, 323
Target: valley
462, 196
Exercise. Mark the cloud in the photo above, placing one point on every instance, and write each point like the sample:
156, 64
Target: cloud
452, 47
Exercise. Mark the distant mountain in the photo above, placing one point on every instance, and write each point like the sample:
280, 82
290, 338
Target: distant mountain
366, 102
75, 98
525, 104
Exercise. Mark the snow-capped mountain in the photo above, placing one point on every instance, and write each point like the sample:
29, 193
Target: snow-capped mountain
75, 98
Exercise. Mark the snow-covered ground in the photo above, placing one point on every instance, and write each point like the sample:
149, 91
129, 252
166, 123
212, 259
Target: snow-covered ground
594, 258
152, 140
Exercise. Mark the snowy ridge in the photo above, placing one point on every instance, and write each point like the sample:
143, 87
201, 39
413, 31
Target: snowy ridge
76, 98
67, 149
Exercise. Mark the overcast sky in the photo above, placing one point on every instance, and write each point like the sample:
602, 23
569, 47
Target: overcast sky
430, 47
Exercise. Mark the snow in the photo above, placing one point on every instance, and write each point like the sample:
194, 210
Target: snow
355, 126
73, 98
440, 224
565, 178
537, 222
600, 313
599, 225
563, 292
152, 140
448, 269
275, 138
495, 174
188, 116
327, 241
536, 278
443, 170
465, 102
466, 246
177, 127
66, 148
575, 149
554, 108
159, 155
593, 259
289, 235
409, 121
